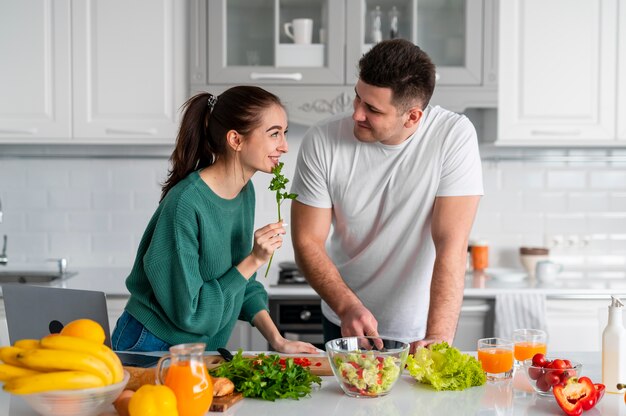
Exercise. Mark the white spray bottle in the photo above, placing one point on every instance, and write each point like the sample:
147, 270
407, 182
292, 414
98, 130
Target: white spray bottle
614, 348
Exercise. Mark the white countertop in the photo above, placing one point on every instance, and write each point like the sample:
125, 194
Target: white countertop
477, 285
481, 285
409, 398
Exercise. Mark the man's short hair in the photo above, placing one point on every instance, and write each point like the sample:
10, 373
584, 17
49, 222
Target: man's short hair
403, 67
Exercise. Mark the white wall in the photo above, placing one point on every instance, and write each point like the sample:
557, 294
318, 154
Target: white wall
93, 210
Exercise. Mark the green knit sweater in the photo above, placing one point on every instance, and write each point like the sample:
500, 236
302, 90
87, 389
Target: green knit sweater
184, 286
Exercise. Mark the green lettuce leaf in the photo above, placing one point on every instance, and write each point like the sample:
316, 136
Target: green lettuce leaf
445, 368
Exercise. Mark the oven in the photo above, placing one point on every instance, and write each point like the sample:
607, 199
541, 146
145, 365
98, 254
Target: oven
298, 319
297, 315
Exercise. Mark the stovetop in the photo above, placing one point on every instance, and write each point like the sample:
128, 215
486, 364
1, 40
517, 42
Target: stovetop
289, 274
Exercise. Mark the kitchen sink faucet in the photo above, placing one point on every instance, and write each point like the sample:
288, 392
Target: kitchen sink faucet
3, 257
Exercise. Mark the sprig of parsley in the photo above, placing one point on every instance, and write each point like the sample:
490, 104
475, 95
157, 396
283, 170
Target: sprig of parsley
264, 377
277, 184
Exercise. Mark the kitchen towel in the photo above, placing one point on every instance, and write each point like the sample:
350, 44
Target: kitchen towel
517, 311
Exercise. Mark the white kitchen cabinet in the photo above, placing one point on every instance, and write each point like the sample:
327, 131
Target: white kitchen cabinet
459, 35
475, 322
35, 74
621, 84
129, 69
87, 71
246, 337
576, 324
559, 73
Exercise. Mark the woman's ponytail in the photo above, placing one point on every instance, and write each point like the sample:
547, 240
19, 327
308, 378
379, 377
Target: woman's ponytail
193, 150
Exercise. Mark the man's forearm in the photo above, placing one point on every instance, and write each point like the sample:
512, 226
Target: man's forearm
323, 276
446, 297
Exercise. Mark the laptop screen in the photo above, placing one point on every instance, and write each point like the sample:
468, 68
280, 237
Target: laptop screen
36, 311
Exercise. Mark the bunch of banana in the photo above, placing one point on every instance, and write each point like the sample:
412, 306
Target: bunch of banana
58, 362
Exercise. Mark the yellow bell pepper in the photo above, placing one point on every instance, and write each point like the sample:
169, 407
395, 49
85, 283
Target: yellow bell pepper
151, 400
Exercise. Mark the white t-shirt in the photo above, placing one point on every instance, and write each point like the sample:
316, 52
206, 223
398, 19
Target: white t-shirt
382, 199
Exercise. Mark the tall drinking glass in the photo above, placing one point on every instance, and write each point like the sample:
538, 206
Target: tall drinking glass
528, 342
496, 357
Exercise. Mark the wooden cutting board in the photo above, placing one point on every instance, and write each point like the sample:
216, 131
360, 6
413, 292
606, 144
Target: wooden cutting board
222, 404
320, 366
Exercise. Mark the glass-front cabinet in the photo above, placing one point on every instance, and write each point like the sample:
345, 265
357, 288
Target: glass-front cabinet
316, 45
449, 31
274, 41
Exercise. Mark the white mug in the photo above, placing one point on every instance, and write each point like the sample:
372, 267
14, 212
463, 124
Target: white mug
300, 31
547, 270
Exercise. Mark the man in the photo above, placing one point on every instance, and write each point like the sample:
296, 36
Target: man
399, 182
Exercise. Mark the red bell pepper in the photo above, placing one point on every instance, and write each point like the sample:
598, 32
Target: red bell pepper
576, 395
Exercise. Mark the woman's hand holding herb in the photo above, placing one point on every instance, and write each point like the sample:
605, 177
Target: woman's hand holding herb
266, 240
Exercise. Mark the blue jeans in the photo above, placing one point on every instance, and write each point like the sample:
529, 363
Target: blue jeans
130, 335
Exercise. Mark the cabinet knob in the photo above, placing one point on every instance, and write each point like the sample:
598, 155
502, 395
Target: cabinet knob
305, 315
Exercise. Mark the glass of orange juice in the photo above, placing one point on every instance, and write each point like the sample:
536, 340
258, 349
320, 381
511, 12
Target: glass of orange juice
528, 342
496, 357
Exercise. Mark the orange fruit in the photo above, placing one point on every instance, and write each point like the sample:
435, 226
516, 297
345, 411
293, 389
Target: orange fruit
86, 329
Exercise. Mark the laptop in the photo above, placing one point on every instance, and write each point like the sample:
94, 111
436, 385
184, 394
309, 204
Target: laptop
36, 311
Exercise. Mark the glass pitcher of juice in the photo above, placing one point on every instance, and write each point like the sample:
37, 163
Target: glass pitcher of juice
188, 378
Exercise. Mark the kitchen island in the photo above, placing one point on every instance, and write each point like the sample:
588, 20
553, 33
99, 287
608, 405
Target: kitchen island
514, 397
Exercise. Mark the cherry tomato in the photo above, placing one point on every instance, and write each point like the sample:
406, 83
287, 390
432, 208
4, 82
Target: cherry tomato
539, 360
551, 378
535, 372
558, 366
542, 385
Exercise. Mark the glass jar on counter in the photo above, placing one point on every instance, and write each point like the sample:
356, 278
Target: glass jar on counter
480, 254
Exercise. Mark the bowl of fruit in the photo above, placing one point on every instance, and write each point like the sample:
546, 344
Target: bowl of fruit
544, 373
367, 366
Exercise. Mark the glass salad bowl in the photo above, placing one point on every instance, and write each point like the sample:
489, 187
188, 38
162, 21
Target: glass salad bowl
367, 366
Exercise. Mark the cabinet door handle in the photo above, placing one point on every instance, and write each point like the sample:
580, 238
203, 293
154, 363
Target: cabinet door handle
18, 131
475, 308
150, 132
294, 76
555, 132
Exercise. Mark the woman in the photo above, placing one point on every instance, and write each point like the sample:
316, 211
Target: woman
194, 274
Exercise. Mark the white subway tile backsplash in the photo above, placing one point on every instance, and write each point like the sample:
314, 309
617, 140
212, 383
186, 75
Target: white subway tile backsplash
69, 199
46, 221
132, 222
617, 201
611, 223
522, 223
146, 200
522, 179
501, 201
545, 202
94, 211
90, 177
111, 200
486, 222
69, 244
143, 175
112, 243
565, 223
47, 174
566, 179
89, 221
24, 200
588, 202
608, 179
